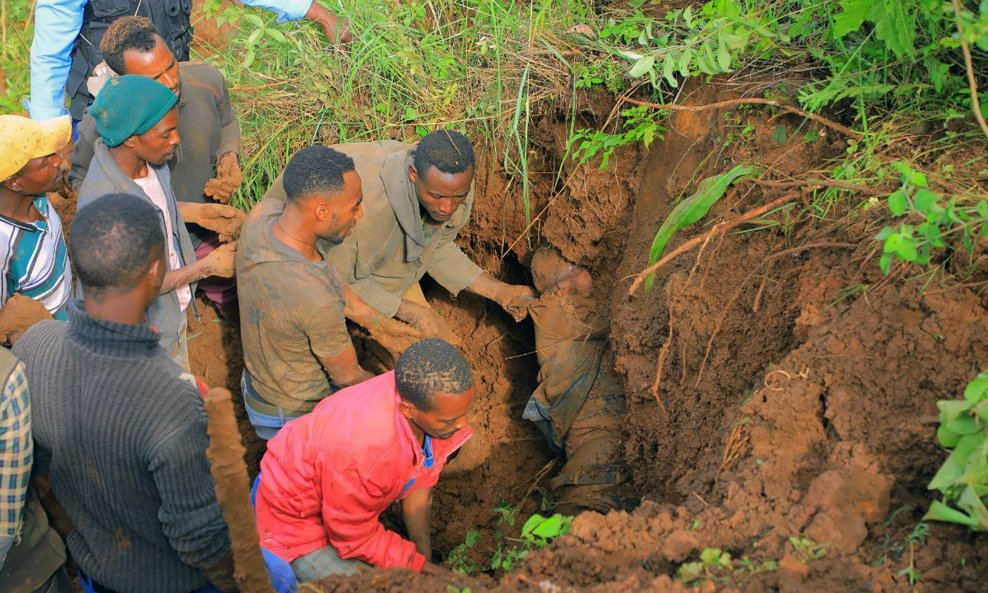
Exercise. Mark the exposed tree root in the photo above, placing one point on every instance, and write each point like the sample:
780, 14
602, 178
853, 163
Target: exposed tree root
721, 227
749, 101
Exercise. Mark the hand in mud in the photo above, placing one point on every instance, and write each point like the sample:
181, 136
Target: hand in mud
221, 261
224, 220
516, 299
428, 323
394, 336
18, 314
228, 178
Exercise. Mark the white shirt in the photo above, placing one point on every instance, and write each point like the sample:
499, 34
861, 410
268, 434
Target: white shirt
152, 187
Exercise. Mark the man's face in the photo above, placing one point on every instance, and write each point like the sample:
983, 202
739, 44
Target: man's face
158, 64
448, 414
158, 145
338, 213
39, 176
441, 193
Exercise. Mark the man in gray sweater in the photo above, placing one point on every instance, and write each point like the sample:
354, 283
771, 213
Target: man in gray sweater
119, 427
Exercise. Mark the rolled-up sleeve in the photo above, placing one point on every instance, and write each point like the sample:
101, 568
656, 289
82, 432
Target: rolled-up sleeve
56, 26
287, 10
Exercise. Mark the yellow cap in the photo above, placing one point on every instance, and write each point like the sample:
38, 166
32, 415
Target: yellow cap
23, 139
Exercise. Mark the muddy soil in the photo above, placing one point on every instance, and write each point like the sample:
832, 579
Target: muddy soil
793, 426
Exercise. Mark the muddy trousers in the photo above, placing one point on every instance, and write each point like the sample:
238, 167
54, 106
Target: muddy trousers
324, 562
594, 475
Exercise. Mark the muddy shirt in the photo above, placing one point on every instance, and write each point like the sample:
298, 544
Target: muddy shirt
569, 338
393, 246
291, 312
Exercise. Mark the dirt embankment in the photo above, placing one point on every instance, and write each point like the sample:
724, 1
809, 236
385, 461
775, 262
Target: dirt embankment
798, 385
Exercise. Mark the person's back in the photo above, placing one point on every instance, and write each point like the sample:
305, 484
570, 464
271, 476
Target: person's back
119, 427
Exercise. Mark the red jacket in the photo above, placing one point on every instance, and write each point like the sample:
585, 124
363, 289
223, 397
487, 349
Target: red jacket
328, 476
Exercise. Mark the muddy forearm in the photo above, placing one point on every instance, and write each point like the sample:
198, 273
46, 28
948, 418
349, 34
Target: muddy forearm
358, 311
183, 276
488, 287
416, 512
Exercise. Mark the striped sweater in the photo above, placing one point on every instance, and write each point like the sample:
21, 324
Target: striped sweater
35, 261
121, 430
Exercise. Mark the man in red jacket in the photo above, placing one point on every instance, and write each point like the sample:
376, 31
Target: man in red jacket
327, 476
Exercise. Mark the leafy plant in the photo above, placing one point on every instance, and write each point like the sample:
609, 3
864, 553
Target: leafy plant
940, 220
641, 124
691, 210
537, 532
718, 565
459, 559
916, 537
806, 549
963, 478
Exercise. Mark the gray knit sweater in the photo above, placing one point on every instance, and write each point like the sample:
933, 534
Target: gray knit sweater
122, 432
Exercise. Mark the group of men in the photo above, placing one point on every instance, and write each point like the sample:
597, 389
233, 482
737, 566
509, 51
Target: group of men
115, 423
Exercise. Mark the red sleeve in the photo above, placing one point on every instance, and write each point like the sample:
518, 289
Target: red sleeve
352, 504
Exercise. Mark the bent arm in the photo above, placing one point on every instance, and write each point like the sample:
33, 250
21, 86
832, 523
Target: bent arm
186, 275
56, 26
344, 369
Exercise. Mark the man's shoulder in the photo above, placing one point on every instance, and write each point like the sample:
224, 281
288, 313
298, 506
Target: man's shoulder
41, 338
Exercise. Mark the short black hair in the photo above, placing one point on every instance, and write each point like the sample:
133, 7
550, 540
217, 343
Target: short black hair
128, 33
430, 367
112, 241
446, 150
315, 169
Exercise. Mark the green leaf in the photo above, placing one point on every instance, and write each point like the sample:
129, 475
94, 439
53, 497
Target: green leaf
924, 199
276, 35
951, 409
851, 17
254, 20
895, 25
977, 390
686, 60
941, 512
723, 56
897, 202
691, 210
643, 65
779, 135
668, 66
947, 437
884, 263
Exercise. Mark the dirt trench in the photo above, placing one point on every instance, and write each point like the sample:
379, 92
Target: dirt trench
793, 425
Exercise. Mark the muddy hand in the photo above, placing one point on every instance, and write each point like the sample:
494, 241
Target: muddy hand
516, 299
224, 220
222, 261
394, 336
18, 314
426, 321
228, 178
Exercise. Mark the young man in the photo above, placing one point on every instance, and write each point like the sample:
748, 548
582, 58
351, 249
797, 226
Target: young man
327, 477
579, 405
138, 125
417, 198
31, 553
67, 36
32, 247
118, 426
296, 347
209, 131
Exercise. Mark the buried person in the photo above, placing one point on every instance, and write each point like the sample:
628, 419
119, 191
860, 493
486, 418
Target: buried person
327, 477
417, 197
577, 404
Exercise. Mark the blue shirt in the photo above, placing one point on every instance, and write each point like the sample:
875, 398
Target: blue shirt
56, 26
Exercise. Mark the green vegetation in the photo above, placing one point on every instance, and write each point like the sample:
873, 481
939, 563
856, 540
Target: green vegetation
537, 532
718, 566
963, 477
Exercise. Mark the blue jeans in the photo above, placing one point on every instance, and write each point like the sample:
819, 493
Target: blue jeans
89, 587
265, 425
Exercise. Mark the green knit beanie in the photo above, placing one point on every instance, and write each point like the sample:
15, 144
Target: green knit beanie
130, 105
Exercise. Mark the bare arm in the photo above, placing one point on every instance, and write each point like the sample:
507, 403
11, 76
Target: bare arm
416, 511
344, 368
220, 262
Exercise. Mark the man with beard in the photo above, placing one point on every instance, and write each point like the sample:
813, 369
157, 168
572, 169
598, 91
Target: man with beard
137, 119
296, 347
